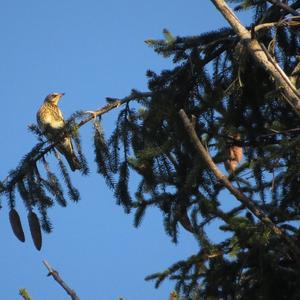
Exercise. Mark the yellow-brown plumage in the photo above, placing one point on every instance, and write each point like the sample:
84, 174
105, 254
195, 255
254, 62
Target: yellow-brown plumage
50, 120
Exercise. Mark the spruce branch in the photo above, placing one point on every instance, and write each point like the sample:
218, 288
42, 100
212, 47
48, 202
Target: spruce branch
249, 204
259, 54
60, 281
39, 152
284, 6
34, 189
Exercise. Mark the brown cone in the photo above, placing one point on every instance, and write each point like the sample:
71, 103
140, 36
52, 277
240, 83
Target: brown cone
16, 225
35, 230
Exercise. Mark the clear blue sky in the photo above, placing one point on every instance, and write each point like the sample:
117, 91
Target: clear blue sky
89, 50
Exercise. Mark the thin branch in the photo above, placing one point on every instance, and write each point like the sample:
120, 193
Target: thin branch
259, 55
278, 68
118, 102
59, 280
24, 294
284, 22
265, 26
285, 7
249, 204
186, 222
259, 140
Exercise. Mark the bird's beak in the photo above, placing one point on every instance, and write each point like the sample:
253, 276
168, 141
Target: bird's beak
61, 94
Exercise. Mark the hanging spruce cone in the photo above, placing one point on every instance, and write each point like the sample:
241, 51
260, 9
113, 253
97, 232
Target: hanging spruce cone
35, 230
16, 225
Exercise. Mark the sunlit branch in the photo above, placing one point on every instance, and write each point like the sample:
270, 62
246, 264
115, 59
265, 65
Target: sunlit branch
259, 54
24, 294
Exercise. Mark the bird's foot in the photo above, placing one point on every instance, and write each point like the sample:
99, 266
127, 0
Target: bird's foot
92, 113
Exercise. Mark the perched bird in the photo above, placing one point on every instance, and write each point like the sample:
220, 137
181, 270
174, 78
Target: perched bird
50, 120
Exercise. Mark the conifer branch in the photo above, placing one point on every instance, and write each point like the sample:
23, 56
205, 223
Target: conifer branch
249, 204
60, 281
260, 56
7, 185
285, 7
116, 103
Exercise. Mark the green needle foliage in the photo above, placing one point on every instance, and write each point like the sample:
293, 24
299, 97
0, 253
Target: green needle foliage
224, 91
38, 186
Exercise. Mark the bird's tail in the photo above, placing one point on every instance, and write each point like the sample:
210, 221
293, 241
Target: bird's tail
66, 149
73, 161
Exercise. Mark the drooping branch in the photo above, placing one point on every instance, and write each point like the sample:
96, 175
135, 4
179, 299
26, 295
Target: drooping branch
92, 115
60, 281
247, 202
289, 91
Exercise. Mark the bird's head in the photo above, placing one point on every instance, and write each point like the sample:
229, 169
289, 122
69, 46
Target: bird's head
53, 98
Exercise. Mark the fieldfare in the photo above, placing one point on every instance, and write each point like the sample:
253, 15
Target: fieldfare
50, 120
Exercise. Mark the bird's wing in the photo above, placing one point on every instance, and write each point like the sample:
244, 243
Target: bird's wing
50, 117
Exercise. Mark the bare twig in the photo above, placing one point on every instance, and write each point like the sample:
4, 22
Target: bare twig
59, 280
278, 68
115, 104
259, 55
24, 294
249, 204
285, 22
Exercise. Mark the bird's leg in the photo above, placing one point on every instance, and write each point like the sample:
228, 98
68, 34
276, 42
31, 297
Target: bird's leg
92, 113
